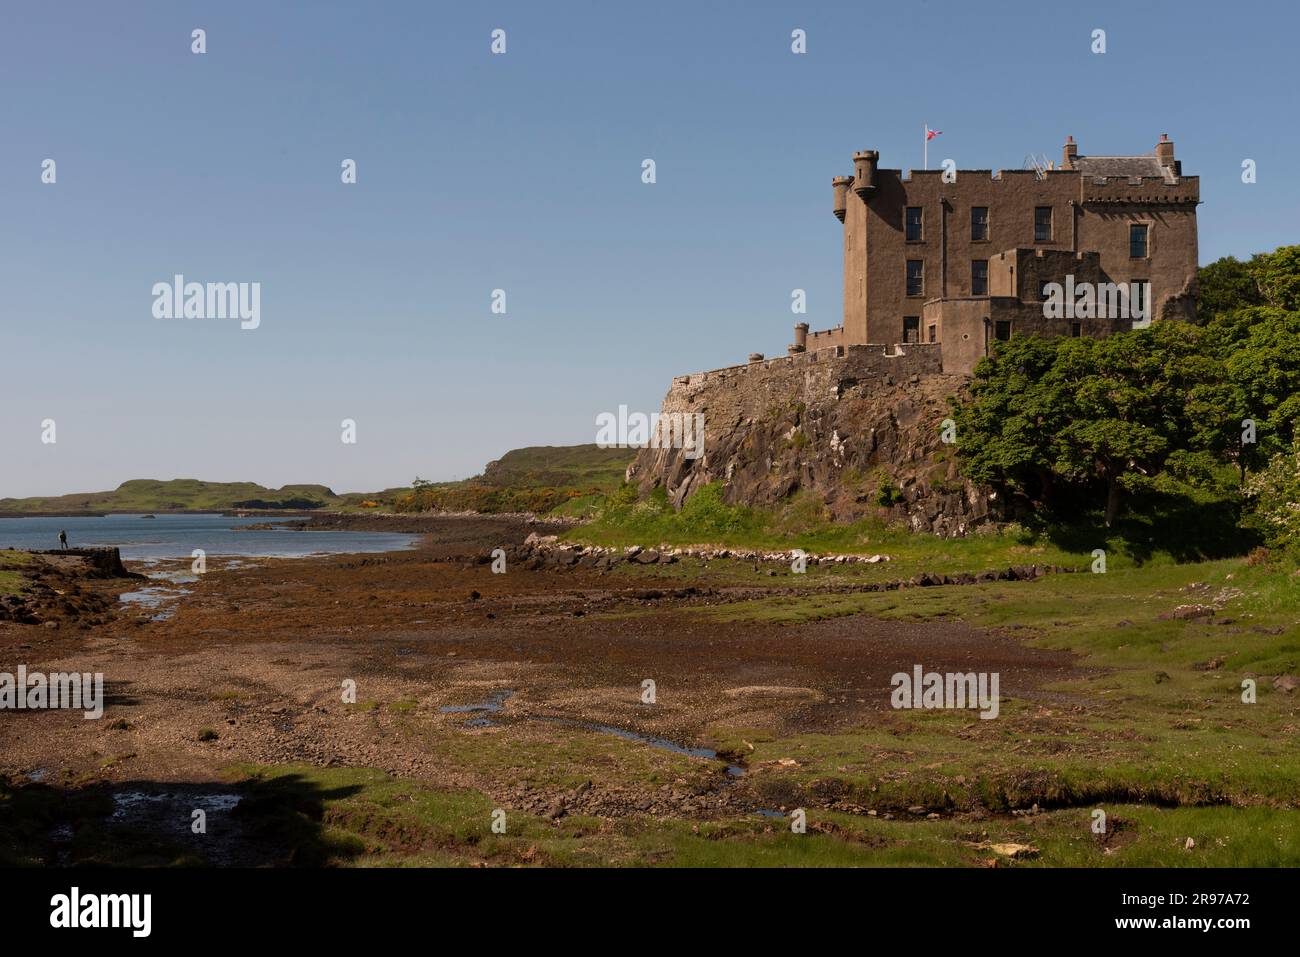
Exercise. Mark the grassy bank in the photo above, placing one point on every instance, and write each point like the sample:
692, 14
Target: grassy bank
704, 519
361, 817
11, 565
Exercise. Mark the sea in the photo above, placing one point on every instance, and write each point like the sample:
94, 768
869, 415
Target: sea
177, 536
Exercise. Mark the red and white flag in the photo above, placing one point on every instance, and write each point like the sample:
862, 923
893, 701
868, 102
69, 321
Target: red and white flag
931, 134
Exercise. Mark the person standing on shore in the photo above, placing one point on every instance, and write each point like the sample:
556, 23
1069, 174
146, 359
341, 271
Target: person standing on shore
63, 538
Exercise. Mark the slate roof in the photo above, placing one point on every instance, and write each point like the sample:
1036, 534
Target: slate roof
1119, 165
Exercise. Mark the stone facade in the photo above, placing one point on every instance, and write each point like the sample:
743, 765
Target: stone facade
919, 251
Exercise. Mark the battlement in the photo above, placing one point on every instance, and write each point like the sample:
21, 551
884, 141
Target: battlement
992, 175
861, 362
1141, 189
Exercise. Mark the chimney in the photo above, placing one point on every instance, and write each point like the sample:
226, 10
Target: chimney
1068, 154
1165, 152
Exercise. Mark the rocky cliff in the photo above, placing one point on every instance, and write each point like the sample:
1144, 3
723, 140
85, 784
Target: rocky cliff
857, 426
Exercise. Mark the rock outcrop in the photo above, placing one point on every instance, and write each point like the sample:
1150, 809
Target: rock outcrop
858, 427
97, 562
57, 586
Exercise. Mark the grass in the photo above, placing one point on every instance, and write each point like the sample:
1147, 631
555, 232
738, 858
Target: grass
364, 818
1148, 733
11, 564
705, 520
1152, 729
1157, 715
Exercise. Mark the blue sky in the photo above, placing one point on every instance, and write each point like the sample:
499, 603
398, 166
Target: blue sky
521, 172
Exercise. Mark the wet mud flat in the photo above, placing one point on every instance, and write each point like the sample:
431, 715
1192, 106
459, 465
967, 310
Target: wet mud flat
527, 687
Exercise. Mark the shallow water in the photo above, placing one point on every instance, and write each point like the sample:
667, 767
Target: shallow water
154, 597
495, 702
663, 744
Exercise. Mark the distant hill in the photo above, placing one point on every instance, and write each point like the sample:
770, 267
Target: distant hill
540, 478
181, 495
559, 465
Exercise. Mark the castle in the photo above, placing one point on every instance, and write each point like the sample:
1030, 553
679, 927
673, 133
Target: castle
961, 259
936, 270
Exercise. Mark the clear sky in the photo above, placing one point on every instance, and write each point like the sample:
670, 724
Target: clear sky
522, 172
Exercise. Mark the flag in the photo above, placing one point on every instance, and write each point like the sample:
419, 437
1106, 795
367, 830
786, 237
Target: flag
931, 134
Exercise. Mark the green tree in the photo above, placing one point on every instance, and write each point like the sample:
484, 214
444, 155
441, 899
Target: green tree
1277, 276
1275, 494
1002, 431
1135, 411
1224, 285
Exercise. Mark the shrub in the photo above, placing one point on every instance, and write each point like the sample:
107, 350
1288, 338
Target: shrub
1274, 495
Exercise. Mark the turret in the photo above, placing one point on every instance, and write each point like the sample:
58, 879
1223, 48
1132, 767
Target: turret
841, 185
800, 337
864, 173
1069, 152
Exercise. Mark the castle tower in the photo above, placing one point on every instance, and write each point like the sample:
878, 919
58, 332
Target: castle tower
864, 173
841, 187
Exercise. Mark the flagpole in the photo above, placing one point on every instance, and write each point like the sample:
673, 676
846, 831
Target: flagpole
925, 138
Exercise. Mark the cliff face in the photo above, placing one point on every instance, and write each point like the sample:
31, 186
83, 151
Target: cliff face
858, 427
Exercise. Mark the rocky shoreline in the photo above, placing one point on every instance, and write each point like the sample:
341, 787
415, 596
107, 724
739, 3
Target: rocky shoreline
57, 587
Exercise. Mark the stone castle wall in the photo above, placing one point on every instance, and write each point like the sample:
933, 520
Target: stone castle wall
793, 375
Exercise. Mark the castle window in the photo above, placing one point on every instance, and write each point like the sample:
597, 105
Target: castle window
1076, 329
1003, 330
911, 328
979, 277
913, 221
1137, 241
979, 223
934, 332
915, 277
1042, 224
